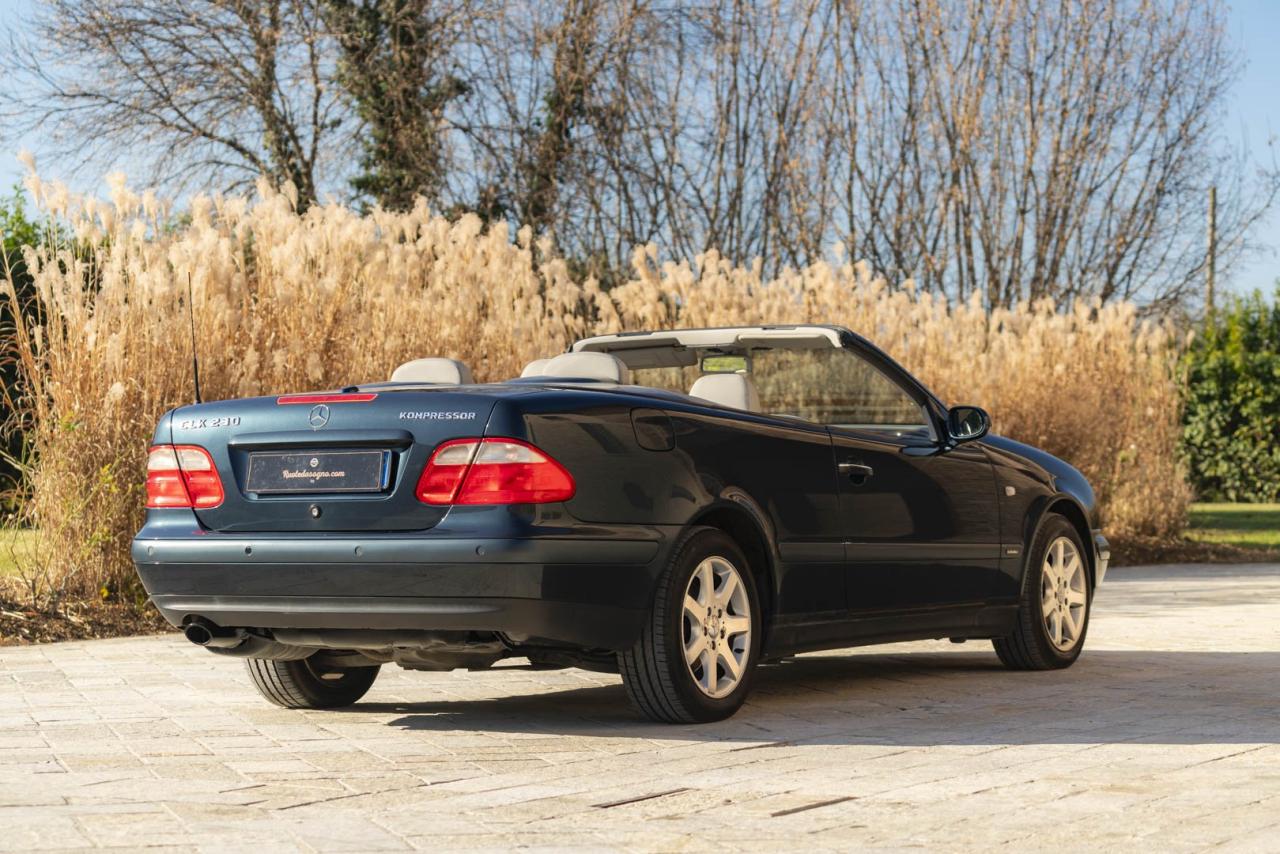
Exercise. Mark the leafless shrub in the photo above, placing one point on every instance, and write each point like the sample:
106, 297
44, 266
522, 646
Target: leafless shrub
1015, 150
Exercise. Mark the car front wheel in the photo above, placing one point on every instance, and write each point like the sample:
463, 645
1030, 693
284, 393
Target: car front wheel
697, 654
1053, 615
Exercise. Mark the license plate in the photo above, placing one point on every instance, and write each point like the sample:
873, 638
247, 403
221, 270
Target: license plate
318, 471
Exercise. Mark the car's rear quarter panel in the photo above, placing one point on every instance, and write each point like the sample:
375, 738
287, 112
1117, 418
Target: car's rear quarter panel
783, 476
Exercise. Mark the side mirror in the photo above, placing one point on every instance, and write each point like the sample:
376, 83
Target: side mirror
966, 423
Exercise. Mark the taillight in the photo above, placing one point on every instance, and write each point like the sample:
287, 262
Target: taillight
444, 472
492, 471
182, 476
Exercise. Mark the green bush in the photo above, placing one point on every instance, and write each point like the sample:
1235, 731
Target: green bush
17, 229
1232, 417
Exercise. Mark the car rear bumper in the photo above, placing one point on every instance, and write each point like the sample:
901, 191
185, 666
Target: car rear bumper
584, 592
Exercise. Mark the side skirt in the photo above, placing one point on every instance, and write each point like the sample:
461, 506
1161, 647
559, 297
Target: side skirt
967, 621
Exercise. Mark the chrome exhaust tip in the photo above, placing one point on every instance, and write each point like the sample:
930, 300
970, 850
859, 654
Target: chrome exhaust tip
201, 632
198, 634
240, 643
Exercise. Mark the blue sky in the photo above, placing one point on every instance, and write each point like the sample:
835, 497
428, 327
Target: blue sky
1254, 120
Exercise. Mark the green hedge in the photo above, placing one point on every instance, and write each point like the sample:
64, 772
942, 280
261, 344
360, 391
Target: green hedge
17, 230
1232, 417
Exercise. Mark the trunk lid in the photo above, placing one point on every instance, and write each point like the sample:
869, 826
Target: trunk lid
329, 462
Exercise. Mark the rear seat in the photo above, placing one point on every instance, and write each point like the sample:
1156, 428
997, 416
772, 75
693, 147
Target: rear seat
586, 366
534, 368
434, 370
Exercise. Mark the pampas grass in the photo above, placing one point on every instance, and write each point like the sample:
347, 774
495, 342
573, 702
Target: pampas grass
285, 301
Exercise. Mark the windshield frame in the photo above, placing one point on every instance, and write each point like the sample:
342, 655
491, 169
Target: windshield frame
690, 355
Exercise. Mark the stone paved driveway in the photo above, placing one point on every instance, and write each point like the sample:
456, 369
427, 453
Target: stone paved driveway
1164, 737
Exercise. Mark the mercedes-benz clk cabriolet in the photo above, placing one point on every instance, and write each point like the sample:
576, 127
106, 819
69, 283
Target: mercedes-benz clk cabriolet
675, 506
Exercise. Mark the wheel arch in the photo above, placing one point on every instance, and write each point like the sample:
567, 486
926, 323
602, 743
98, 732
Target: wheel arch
1069, 509
739, 517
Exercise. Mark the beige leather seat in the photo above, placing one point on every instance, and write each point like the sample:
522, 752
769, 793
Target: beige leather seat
734, 390
534, 368
588, 366
435, 370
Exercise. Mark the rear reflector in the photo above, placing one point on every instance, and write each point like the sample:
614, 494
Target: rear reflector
362, 397
493, 471
182, 476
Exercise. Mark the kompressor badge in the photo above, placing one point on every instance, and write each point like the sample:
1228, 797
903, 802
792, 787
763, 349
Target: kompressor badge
435, 415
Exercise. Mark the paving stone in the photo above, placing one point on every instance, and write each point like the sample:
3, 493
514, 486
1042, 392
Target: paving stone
1164, 736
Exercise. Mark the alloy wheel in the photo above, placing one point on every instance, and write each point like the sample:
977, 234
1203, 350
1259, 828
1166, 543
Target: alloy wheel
716, 628
1064, 593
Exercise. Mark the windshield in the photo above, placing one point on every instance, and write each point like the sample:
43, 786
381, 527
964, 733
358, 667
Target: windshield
832, 386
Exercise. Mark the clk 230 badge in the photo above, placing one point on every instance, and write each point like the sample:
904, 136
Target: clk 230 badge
204, 423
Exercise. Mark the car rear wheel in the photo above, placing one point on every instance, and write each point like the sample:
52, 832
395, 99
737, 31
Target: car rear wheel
697, 654
309, 684
1053, 616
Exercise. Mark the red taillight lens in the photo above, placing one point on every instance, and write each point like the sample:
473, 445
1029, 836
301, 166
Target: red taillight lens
493, 471
182, 476
509, 472
444, 472
165, 487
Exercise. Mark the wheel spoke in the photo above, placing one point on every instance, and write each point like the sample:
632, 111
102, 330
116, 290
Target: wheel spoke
706, 584
695, 610
735, 625
695, 646
732, 667
709, 667
1049, 573
725, 594
1074, 618
1075, 597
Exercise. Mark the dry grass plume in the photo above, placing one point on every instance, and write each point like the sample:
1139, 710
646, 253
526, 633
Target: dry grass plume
286, 302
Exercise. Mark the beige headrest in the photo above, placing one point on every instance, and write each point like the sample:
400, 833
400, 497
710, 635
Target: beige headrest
588, 366
534, 368
735, 390
440, 371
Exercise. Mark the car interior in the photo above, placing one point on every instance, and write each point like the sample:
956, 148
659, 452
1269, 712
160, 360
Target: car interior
798, 373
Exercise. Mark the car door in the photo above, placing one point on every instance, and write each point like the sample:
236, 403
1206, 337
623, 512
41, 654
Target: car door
918, 515
920, 523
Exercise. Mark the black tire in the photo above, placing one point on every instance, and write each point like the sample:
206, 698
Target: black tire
654, 672
1030, 646
303, 685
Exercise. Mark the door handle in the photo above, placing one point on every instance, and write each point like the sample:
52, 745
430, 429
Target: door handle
856, 471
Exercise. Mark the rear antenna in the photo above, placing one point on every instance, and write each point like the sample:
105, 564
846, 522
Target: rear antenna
191, 315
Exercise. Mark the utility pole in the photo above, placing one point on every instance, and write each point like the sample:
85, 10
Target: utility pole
1211, 264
